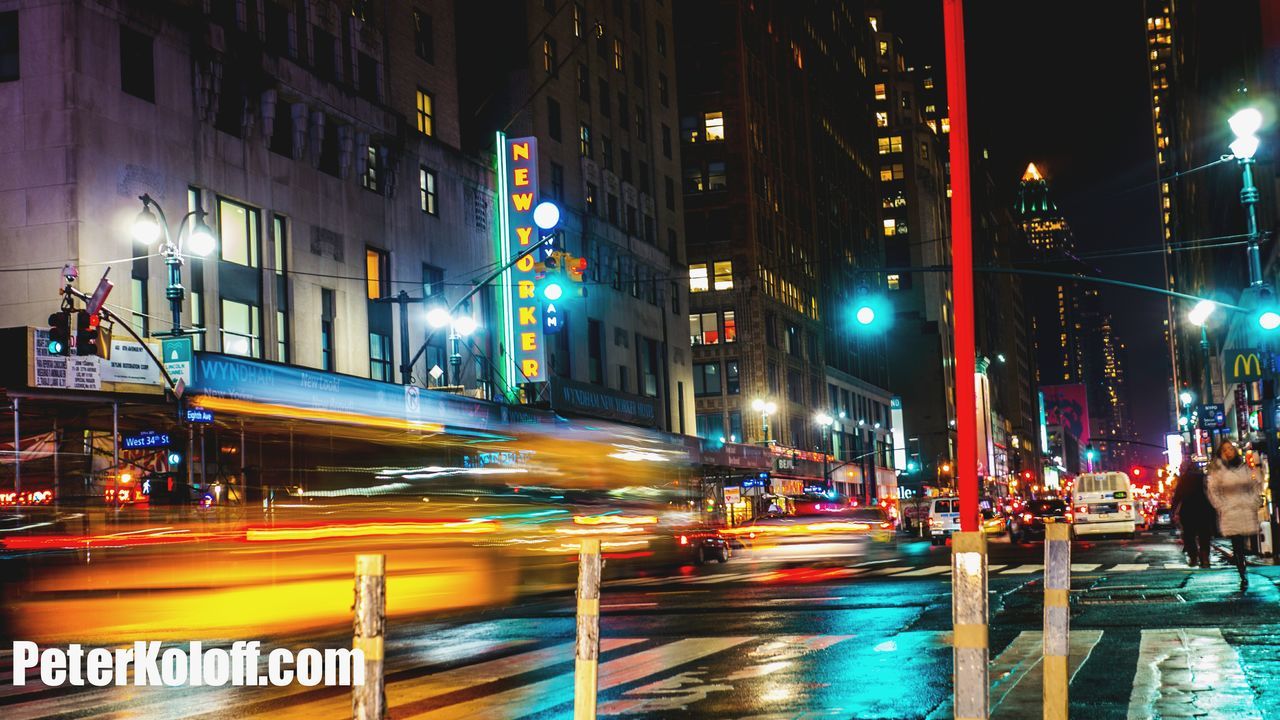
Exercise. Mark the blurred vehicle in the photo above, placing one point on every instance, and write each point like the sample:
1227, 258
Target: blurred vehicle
994, 523
697, 545
1103, 504
944, 519
1029, 524
1163, 519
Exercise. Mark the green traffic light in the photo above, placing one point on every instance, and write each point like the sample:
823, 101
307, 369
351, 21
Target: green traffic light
552, 291
55, 347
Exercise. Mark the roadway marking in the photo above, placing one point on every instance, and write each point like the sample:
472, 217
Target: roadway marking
891, 570
1129, 567
803, 599
934, 570
1190, 672
1023, 569
1084, 567
618, 606
541, 696
1017, 680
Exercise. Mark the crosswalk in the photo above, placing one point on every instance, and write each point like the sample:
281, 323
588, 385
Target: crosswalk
751, 575
1192, 672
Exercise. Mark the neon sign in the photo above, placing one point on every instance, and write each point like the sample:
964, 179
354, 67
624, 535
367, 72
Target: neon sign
518, 193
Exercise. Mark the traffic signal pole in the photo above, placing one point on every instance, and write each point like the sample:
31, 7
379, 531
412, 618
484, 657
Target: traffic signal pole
970, 651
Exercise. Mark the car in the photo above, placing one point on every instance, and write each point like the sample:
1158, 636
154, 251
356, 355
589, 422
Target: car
994, 523
700, 545
1030, 523
1163, 518
944, 519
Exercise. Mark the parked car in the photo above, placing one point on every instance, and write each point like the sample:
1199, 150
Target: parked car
1029, 524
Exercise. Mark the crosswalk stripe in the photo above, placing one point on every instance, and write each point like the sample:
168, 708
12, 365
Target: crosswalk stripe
1017, 674
1129, 567
1190, 672
403, 692
933, 570
1084, 567
890, 570
542, 696
1023, 569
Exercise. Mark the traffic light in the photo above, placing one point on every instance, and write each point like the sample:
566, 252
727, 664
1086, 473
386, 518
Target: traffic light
89, 340
1090, 454
60, 333
1136, 472
577, 266
869, 312
174, 458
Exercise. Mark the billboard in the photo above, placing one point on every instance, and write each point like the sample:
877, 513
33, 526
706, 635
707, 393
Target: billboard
521, 323
1068, 406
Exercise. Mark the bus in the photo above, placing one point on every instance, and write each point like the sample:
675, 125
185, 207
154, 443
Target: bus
1103, 504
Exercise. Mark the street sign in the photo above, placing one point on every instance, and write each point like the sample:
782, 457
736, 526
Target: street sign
551, 320
145, 440
199, 415
1242, 366
176, 355
732, 495
1213, 417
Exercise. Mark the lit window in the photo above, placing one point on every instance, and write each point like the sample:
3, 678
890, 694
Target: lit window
238, 227
724, 275
881, 93
714, 123
427, 190
584, 140
380, 357
617, 54
886, 173
884, 48
698, 278
549, 55
894, 282
928, 83
890, 226
883, 145
703, 329
882, 119
946, 125
241, 329
730, 326
376, 265
426, 123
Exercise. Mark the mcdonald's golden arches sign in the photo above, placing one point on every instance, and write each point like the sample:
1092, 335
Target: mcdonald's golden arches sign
1242, 366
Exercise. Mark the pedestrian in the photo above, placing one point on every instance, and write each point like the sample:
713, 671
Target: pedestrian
1194, 514
1235, 489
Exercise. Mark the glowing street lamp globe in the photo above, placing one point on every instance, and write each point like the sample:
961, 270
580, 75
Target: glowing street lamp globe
1269, 320
865, 315
546, 215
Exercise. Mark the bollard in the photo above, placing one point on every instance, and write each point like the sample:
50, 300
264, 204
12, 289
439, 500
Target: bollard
1057, 620
969, 620
368, 700
586, 655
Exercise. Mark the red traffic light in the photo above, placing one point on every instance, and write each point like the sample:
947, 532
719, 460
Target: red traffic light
1136, 472
1026, 474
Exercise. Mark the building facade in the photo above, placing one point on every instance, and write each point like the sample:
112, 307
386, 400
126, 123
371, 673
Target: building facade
319, 140
595, 84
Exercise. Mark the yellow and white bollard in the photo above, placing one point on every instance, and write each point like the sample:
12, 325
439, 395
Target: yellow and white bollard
1057, 618
587, 652
369, 700
969, 620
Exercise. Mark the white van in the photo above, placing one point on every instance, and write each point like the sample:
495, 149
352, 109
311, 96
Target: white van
944, 518
1103, 504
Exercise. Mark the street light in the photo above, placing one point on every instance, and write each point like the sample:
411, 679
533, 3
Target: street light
825, 421
148, 228
765, 408
460, 326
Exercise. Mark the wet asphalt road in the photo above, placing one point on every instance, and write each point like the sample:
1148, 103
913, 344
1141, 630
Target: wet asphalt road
766, 636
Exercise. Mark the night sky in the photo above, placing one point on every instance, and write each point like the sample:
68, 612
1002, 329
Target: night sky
1065, 85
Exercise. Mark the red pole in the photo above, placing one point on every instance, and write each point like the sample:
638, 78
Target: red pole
962, 269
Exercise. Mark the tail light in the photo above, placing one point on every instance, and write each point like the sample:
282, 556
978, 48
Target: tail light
885, 525
1082, 509
1027, 517
1125, 508
684, 539
935, 522
751, 535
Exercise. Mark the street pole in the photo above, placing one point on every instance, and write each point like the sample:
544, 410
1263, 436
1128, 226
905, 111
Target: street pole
1208, 377
174, 291
970, 647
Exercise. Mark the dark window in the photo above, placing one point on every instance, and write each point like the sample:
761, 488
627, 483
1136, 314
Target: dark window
327, 307
368, 76
795, 386
329, 149
666, 141
633, 226
606, 108
380, 357
557, 181
424, 42
735, 426
595, 351
432, 280
606, 152
553, 119
593, 207
731, 383
660, 37
584, 83
644, 177
637, 74
647, 357
642, 124
613, 209
277, 20
710, 426
372, 170
669, 186
8, 46
326, 62
706, 379
626, 165
282, 131
279, 247
623, 383
137, 64
664, 93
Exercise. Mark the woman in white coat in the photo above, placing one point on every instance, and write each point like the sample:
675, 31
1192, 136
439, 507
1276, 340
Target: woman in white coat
1234, 488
